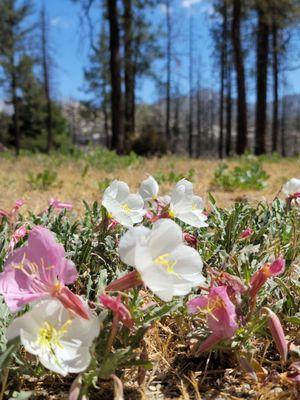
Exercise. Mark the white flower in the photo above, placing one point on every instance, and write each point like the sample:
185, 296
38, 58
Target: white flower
124, 207
291, 187
149, 189
166, 265
58, 338
187, 207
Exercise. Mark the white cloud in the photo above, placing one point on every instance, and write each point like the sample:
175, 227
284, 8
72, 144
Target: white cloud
189, 3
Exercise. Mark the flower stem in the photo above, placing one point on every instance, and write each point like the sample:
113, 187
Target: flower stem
112, 335
4, 382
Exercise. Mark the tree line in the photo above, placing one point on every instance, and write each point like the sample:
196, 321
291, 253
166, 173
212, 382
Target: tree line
252, 43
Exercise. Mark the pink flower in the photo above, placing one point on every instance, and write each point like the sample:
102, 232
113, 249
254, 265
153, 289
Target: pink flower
17, 235
221, 315
39, 271
54, 203
246, 233
264, 273
117, 307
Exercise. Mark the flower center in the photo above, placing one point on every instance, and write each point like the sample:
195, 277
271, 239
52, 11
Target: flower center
171, 214
166, 262
194, 207
125, 208
49, 336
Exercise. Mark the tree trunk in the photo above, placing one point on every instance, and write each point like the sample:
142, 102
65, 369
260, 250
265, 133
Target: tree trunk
45, 65
117, 123
199, 114
191, 108
223, 52
168, 86
275, 87
129, 72
283, 127
242, 134
228, 110
261, 82
105, 113
15, 118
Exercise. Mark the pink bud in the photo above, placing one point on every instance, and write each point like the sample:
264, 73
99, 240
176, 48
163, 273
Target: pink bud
208, 344
277, 332
149, 215
75, 389
246, 233
264, 273
17, 235
190, 239
19, 203
118, 308
54, 203
277, 267
72, 302
129, 281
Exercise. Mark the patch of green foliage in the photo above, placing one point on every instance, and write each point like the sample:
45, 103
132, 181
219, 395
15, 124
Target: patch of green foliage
248, 175
174, 177
42, 180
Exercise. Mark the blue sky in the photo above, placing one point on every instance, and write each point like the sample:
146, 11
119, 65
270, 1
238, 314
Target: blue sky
71, 48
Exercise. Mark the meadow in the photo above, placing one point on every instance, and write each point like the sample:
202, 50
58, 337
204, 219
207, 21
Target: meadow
199, 300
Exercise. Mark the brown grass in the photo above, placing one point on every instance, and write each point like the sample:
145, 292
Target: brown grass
74, 188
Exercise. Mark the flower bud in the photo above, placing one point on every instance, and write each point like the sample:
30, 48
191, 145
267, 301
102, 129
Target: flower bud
277, 332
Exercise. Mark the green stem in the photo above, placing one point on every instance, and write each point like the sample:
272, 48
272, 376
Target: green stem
4, 382
112, 335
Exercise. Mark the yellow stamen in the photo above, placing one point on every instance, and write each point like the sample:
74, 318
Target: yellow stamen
49, 336
165, 261
171, 214
126, 209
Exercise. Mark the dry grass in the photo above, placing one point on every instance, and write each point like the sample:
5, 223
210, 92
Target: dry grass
75, 188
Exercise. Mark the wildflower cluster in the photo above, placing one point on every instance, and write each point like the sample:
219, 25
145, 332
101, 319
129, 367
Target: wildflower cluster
82, 295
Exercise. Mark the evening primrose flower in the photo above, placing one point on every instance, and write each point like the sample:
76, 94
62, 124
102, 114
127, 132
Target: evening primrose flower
166, 265
185, 206
149, 189
123, 206
221, 316
59, 339
37, 271
292, 189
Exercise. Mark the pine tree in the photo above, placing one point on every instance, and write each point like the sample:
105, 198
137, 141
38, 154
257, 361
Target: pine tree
14, 34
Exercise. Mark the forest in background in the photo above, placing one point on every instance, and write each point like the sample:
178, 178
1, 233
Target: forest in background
253, 46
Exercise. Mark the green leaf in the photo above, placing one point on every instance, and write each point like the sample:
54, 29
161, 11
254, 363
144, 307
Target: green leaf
6, 355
